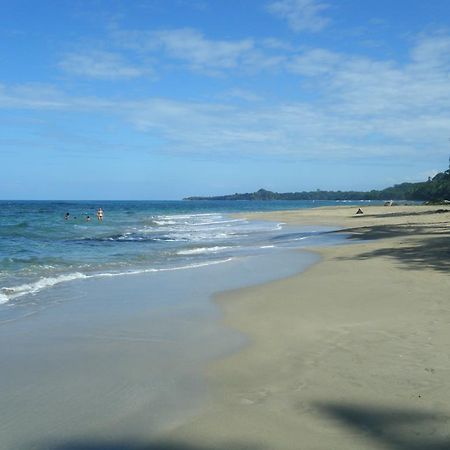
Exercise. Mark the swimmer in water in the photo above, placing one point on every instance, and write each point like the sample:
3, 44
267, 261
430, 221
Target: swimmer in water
100, 214
66, 216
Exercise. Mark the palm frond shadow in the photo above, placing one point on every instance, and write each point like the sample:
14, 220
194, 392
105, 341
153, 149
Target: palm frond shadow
395, 429
424, 250
94, 444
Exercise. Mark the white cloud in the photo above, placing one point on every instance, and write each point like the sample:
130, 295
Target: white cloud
36, 96
100, 65
314, 62
187, 48
241, 94
301, 15
191, 47
363, 108
31, 96
432, 52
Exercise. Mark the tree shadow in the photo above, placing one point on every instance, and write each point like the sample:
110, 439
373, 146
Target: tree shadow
424, 246
398, 429
404, 213
374, 232
94, 444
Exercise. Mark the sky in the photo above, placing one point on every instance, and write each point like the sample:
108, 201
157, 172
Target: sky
163, 99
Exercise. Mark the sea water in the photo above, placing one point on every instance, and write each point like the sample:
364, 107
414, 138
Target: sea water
106, 328
40, 249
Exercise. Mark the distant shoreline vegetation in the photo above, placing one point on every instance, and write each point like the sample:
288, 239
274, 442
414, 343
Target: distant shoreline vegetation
435, 190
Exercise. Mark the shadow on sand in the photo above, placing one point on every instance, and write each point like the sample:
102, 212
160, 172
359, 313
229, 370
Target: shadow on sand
125, 445
394, 429
406, 213
430, 247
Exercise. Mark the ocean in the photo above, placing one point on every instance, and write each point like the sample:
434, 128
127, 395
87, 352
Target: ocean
40, 249
106, 328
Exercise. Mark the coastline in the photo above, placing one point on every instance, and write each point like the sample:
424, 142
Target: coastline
352, 353
116, 359
346, 354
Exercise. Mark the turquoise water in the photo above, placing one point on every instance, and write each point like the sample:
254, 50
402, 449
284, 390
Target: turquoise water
39, 249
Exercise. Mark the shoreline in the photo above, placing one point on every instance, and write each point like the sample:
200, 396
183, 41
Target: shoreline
334, 357
351, 353
121, 358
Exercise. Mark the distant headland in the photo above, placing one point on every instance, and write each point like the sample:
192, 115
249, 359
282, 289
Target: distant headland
436, 189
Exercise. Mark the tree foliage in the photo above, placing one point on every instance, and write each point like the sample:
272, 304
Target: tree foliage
433, 190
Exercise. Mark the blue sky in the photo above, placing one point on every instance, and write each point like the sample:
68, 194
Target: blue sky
161, 99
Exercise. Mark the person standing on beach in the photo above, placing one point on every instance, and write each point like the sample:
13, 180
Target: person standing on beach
100, 214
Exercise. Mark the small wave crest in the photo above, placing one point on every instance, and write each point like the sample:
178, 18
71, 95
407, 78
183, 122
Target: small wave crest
201, 250
3, 298
11, 293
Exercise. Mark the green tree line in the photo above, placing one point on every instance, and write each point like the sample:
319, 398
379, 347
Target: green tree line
434, 190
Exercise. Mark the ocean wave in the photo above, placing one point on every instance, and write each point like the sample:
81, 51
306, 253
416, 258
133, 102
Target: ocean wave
163, 222
125, 237
162, 269
3, 298
215, 222
11, 293
201, 250
173, 235
183, 228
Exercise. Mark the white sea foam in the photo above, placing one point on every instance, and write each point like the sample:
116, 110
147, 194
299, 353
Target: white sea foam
169, 269
163, 269
164, 222
200, 250
218, 222
199, 234
11, 293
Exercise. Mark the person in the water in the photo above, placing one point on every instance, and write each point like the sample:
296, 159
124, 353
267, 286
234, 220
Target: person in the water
66, 216
100, 214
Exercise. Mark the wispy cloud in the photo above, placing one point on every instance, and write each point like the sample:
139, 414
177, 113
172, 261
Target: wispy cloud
189, 46
31, 96
241, 94
301, 15
194, 48
101, 65
363, 107
45, 97
315, 62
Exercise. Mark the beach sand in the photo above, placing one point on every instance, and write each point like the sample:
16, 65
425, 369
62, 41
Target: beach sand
351, 354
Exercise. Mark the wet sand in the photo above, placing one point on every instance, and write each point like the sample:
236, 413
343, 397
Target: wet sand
103, 362
351, 354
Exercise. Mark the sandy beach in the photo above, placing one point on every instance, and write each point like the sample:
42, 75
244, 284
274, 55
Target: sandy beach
352, 354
